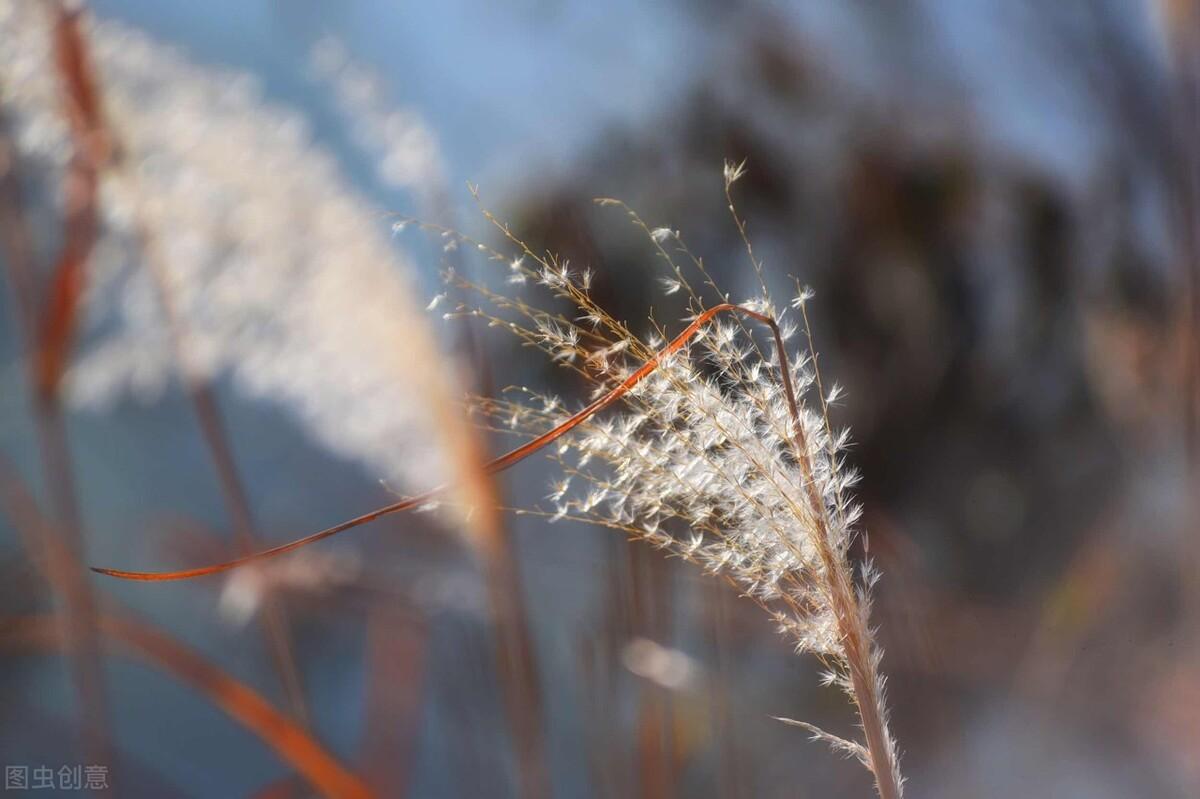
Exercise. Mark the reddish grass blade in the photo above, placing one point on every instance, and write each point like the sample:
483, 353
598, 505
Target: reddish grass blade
47, 340
238, 700
81, 103
59, 319
506, 460
75, 71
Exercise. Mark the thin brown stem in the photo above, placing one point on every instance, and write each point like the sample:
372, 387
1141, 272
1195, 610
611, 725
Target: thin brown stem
649, 599
516, 655
397, 670
517, 665
274, 615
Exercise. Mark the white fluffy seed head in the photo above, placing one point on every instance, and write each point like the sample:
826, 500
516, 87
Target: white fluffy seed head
704, 456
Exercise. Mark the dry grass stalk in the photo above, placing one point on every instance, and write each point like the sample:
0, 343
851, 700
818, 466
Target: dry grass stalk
714, 458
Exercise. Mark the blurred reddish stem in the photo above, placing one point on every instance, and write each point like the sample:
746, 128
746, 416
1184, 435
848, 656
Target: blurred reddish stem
239, 701
396, 682
516, 655
517, 664
649, 599
274, 616
730, 779
58, 321
288, 787
46, 549
46, 342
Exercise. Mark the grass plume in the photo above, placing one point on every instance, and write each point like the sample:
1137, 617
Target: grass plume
714, 456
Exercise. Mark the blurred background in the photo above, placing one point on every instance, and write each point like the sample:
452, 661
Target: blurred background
214, 338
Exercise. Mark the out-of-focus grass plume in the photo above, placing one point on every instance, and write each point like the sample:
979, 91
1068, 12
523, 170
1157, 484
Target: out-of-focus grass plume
280, 274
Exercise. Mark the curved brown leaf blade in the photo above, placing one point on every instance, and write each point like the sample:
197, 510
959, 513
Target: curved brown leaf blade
510, 458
